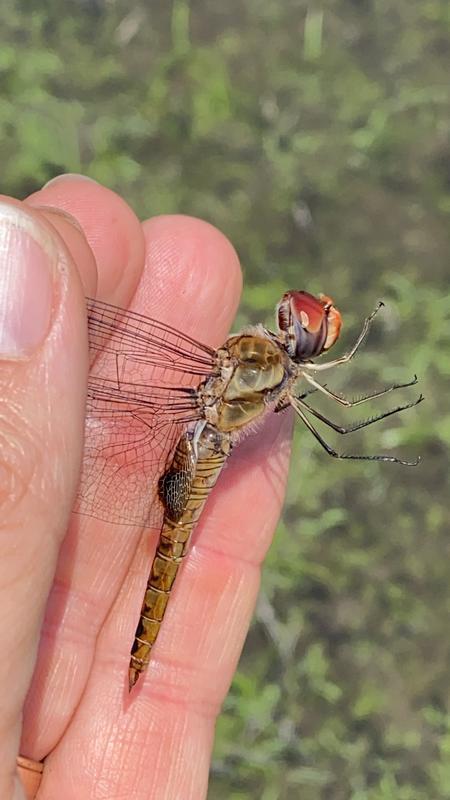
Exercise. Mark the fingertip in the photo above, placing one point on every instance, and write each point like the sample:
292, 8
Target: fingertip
192, 277
110, 226
74, 239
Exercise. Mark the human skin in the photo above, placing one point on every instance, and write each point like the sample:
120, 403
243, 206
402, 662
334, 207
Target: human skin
71, 588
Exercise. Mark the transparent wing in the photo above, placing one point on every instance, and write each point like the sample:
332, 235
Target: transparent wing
141, 396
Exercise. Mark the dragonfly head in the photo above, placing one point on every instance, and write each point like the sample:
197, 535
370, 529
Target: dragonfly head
309, 325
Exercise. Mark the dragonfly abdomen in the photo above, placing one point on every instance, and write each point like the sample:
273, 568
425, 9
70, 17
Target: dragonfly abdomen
184, 490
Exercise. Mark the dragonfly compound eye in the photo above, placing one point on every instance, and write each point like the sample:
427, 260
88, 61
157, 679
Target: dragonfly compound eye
310, 325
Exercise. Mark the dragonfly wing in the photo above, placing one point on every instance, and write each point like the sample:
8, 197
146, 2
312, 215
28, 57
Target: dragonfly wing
126, 335
141, 396
123, 459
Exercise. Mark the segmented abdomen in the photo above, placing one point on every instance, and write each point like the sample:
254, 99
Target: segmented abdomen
184, 490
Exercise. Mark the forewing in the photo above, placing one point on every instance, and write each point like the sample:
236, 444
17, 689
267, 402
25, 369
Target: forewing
141, 396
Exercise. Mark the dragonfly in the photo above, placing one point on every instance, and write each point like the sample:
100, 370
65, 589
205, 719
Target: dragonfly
164, 412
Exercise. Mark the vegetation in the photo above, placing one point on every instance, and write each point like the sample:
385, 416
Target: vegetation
316, 136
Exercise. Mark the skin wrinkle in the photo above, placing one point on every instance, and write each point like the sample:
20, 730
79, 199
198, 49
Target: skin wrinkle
177, 681
62, 588
229, 649
192, 706
206, 530
27, 446
202, 548
179, 730
105, 758
13, 409
17, 484
78, 636
125, 736
65, 686
99, 756
9, 584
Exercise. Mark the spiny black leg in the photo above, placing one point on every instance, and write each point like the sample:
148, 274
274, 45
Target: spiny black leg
311, 391
335, 454
286, 403
358, 425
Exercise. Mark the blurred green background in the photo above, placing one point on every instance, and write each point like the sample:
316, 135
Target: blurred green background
316, 136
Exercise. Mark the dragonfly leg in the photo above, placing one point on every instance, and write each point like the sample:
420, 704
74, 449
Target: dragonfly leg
358, 425
344, 359
335, 454
286, 403
311, 391
351, 403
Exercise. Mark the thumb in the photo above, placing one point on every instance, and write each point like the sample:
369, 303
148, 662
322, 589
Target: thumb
43, 367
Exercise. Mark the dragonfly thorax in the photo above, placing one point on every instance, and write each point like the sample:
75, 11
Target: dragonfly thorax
253, 367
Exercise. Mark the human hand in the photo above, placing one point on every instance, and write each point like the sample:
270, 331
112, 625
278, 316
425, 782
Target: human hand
75, 590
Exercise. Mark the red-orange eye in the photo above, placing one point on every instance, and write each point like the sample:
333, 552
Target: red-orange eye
311, 324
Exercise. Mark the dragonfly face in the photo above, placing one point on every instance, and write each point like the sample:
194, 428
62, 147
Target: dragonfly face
308, 325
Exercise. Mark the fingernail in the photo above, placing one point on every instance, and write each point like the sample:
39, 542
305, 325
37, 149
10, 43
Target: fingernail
28, 258
68, 176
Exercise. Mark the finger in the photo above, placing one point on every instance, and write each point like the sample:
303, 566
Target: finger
111, 227
162, 736
192, 278
43, 367
180, 253
168, 726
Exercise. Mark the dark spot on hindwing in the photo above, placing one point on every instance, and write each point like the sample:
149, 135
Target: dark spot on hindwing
174, 489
